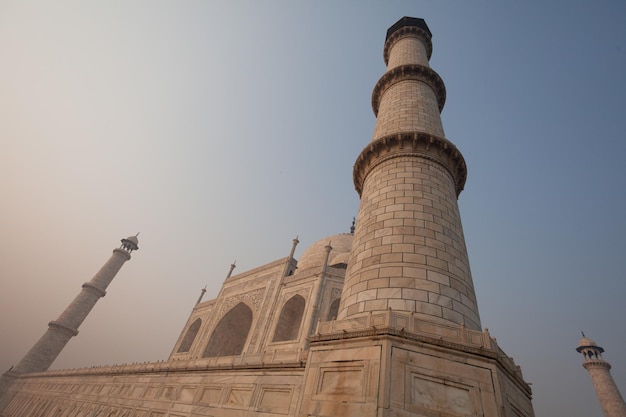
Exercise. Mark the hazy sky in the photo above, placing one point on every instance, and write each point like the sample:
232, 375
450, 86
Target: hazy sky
221, 130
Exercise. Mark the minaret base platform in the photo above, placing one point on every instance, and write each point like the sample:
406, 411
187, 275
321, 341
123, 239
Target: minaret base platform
415, 369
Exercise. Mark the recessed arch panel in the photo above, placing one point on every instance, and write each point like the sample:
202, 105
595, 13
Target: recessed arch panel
333, 310
290, 319
190, 336
231, 333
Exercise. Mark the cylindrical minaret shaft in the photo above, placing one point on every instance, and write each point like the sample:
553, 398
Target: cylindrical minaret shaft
409, 251
60, 331
608, 394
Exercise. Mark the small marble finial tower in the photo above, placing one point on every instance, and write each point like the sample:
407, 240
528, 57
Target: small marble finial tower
408, 252
610, 398
61, 330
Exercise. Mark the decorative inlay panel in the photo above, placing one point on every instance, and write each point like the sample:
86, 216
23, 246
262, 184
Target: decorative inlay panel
252, 299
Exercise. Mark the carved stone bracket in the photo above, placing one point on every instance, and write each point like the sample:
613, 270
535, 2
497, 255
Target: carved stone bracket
409, 72
422, 145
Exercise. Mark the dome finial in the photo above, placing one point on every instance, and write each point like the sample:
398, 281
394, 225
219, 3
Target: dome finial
202, 291
293, 247
352, 227
232, 267
130, 244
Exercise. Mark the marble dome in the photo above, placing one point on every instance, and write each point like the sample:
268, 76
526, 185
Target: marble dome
133, 239
585, 342
313, 256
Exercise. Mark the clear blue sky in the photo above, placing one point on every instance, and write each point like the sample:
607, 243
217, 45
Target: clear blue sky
221, 130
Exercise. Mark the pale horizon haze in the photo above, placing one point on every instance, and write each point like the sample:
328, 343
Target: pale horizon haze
221, 130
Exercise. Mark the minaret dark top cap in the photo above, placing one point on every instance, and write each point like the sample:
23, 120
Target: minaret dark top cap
408, 21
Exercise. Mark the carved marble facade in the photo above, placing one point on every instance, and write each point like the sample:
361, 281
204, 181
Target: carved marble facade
389, 361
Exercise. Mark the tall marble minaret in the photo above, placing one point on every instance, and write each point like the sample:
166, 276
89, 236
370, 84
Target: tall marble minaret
61, 330
610, 398
409, 250
407, 340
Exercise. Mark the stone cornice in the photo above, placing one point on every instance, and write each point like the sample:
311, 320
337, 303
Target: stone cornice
409, 72
411, 144
596, 364
163, 368
405, 32
122, 252
95, 290
392, 331
55, 325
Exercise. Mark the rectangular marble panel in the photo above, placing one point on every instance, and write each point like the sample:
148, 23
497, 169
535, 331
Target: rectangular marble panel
447, 332
440, 396
187, 393
275, 399
341, 382
239, 397
379, 320
476, 338
211, 395
138, 391
357, 323
124, 390
151, 392
400, 321
168, 393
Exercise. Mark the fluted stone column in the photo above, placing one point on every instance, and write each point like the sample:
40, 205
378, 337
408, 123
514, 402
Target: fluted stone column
60, 331
409, 251
610, 398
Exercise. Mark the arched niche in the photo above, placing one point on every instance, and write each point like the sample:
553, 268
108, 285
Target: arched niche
231, 333
333, 310
190, 336
290, 319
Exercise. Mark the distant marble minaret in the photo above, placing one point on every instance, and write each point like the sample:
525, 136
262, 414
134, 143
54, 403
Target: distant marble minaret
61, 330
610, 398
